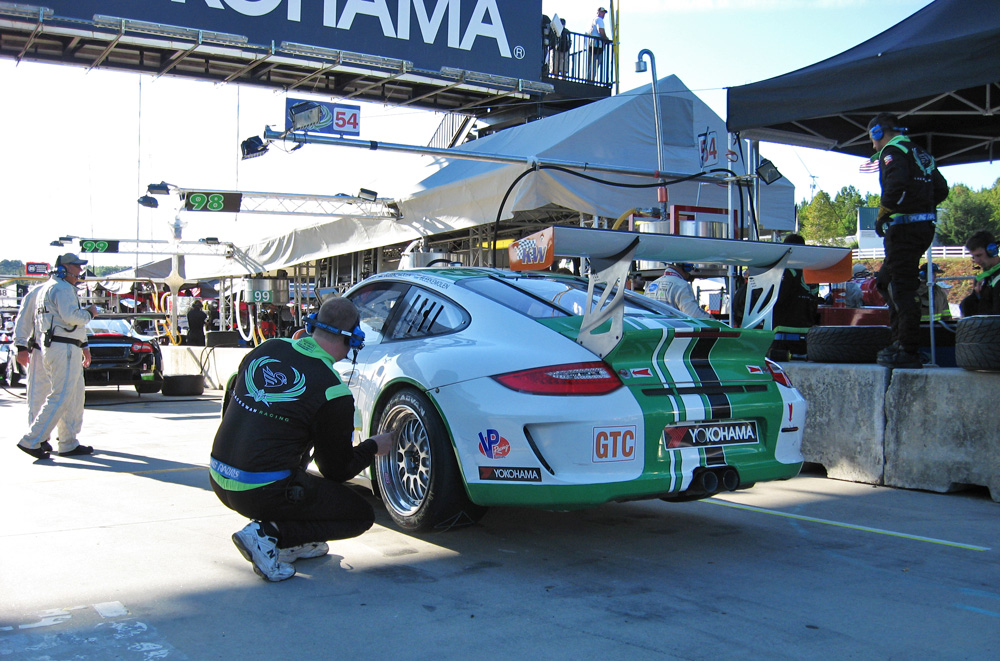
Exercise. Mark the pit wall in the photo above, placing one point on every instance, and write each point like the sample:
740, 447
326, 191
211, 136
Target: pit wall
933, 429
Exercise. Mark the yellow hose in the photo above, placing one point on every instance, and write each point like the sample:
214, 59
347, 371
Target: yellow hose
622, 218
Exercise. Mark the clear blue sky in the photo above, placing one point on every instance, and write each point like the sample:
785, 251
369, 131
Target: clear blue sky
80, 146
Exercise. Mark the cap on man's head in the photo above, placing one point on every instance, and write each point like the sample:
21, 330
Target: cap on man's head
859, 269
600, 9
69, 258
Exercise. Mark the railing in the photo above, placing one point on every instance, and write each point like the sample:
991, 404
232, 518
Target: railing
937, 252
580, 58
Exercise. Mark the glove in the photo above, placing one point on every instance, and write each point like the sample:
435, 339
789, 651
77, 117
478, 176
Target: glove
882, 221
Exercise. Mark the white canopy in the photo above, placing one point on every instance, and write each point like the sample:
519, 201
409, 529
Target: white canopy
617, 131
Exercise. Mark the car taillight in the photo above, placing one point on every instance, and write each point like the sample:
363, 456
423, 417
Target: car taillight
141, 347
572, 379
777, 373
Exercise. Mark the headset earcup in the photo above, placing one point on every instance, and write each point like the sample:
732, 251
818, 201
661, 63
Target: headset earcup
992, 250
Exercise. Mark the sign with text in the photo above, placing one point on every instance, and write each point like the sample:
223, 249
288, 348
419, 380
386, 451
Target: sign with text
98, 245
332, 118
491, 36
37, 268
212, 201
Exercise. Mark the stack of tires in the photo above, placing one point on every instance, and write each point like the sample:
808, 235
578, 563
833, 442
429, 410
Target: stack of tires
846, 344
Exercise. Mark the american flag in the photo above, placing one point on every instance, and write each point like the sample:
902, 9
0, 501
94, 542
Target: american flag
869, 166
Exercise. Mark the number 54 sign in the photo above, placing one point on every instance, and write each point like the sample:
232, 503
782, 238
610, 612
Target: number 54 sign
335, 118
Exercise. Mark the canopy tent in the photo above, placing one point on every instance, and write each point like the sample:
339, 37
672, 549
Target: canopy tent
938, 70
617, 131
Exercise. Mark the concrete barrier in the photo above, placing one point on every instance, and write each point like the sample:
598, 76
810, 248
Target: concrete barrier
943, 434
216, 364
845, 425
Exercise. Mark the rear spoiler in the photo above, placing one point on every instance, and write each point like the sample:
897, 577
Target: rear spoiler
611, 253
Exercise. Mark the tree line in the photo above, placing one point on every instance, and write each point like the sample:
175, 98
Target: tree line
834, 221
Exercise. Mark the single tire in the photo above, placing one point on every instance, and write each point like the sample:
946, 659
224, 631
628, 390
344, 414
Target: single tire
181, 385
419, 479
846, 344
977, 343
148, 387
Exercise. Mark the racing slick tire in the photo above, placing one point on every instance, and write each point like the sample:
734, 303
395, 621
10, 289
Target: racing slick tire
419, 480
846, 344
977, 343
181, 385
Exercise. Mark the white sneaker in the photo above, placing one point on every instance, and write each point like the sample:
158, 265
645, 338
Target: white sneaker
262, 552
303, 551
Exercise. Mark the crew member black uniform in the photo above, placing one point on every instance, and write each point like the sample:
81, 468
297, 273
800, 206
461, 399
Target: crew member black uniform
285, 407
912, 187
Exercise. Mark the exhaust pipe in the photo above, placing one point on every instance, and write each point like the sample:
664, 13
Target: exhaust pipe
730, 479
707, 482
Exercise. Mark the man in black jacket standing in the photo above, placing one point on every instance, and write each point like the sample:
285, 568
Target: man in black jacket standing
288, 407
912, 187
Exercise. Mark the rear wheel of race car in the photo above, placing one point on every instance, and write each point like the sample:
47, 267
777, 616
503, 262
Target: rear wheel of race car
846, 344
419, 479
977, 343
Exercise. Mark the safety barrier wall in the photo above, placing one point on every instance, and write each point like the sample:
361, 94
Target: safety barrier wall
931, 429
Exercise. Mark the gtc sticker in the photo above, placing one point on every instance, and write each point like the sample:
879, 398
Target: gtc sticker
512, 474
492, 445
614, 444
754, 369
642, 371
710, 434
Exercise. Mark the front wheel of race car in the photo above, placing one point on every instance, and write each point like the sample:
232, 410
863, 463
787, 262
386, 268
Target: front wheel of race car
419, 479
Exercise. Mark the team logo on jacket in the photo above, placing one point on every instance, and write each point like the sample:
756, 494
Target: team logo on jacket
274, 382
492, 445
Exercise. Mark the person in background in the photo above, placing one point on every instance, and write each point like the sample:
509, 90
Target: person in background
985, 296
598, 39
853, 295
196, 318
797, 305
29, 356
61, 323
912, 187
674, 289
941, 308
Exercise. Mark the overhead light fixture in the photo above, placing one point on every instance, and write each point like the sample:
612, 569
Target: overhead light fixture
367, 195
253, 147
210, 240
67, 239
305, 115
25, 11
346, 57
148, 201
56, 244
476, 77
162, 188
767, 172
164, 30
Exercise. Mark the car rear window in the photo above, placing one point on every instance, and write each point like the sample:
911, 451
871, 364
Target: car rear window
543, 298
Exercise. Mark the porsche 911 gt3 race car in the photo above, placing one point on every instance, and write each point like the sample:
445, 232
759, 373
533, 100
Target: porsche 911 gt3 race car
532, 388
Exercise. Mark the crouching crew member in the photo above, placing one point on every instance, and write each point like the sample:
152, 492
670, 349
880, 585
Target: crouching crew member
286, 407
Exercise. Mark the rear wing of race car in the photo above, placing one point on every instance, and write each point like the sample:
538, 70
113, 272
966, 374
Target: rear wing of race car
611, 253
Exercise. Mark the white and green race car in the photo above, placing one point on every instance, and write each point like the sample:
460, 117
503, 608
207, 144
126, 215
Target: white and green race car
545, 390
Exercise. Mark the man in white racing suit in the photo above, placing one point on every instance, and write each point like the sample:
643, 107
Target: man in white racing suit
29, 356
61, 323
674, 288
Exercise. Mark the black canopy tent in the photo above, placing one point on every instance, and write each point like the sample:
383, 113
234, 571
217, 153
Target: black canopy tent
938, 70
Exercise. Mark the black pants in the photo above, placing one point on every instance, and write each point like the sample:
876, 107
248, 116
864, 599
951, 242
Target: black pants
304, 507
899, 279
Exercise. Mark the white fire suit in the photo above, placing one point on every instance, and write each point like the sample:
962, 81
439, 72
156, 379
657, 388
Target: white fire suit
673, 289
37, 384
58, 309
